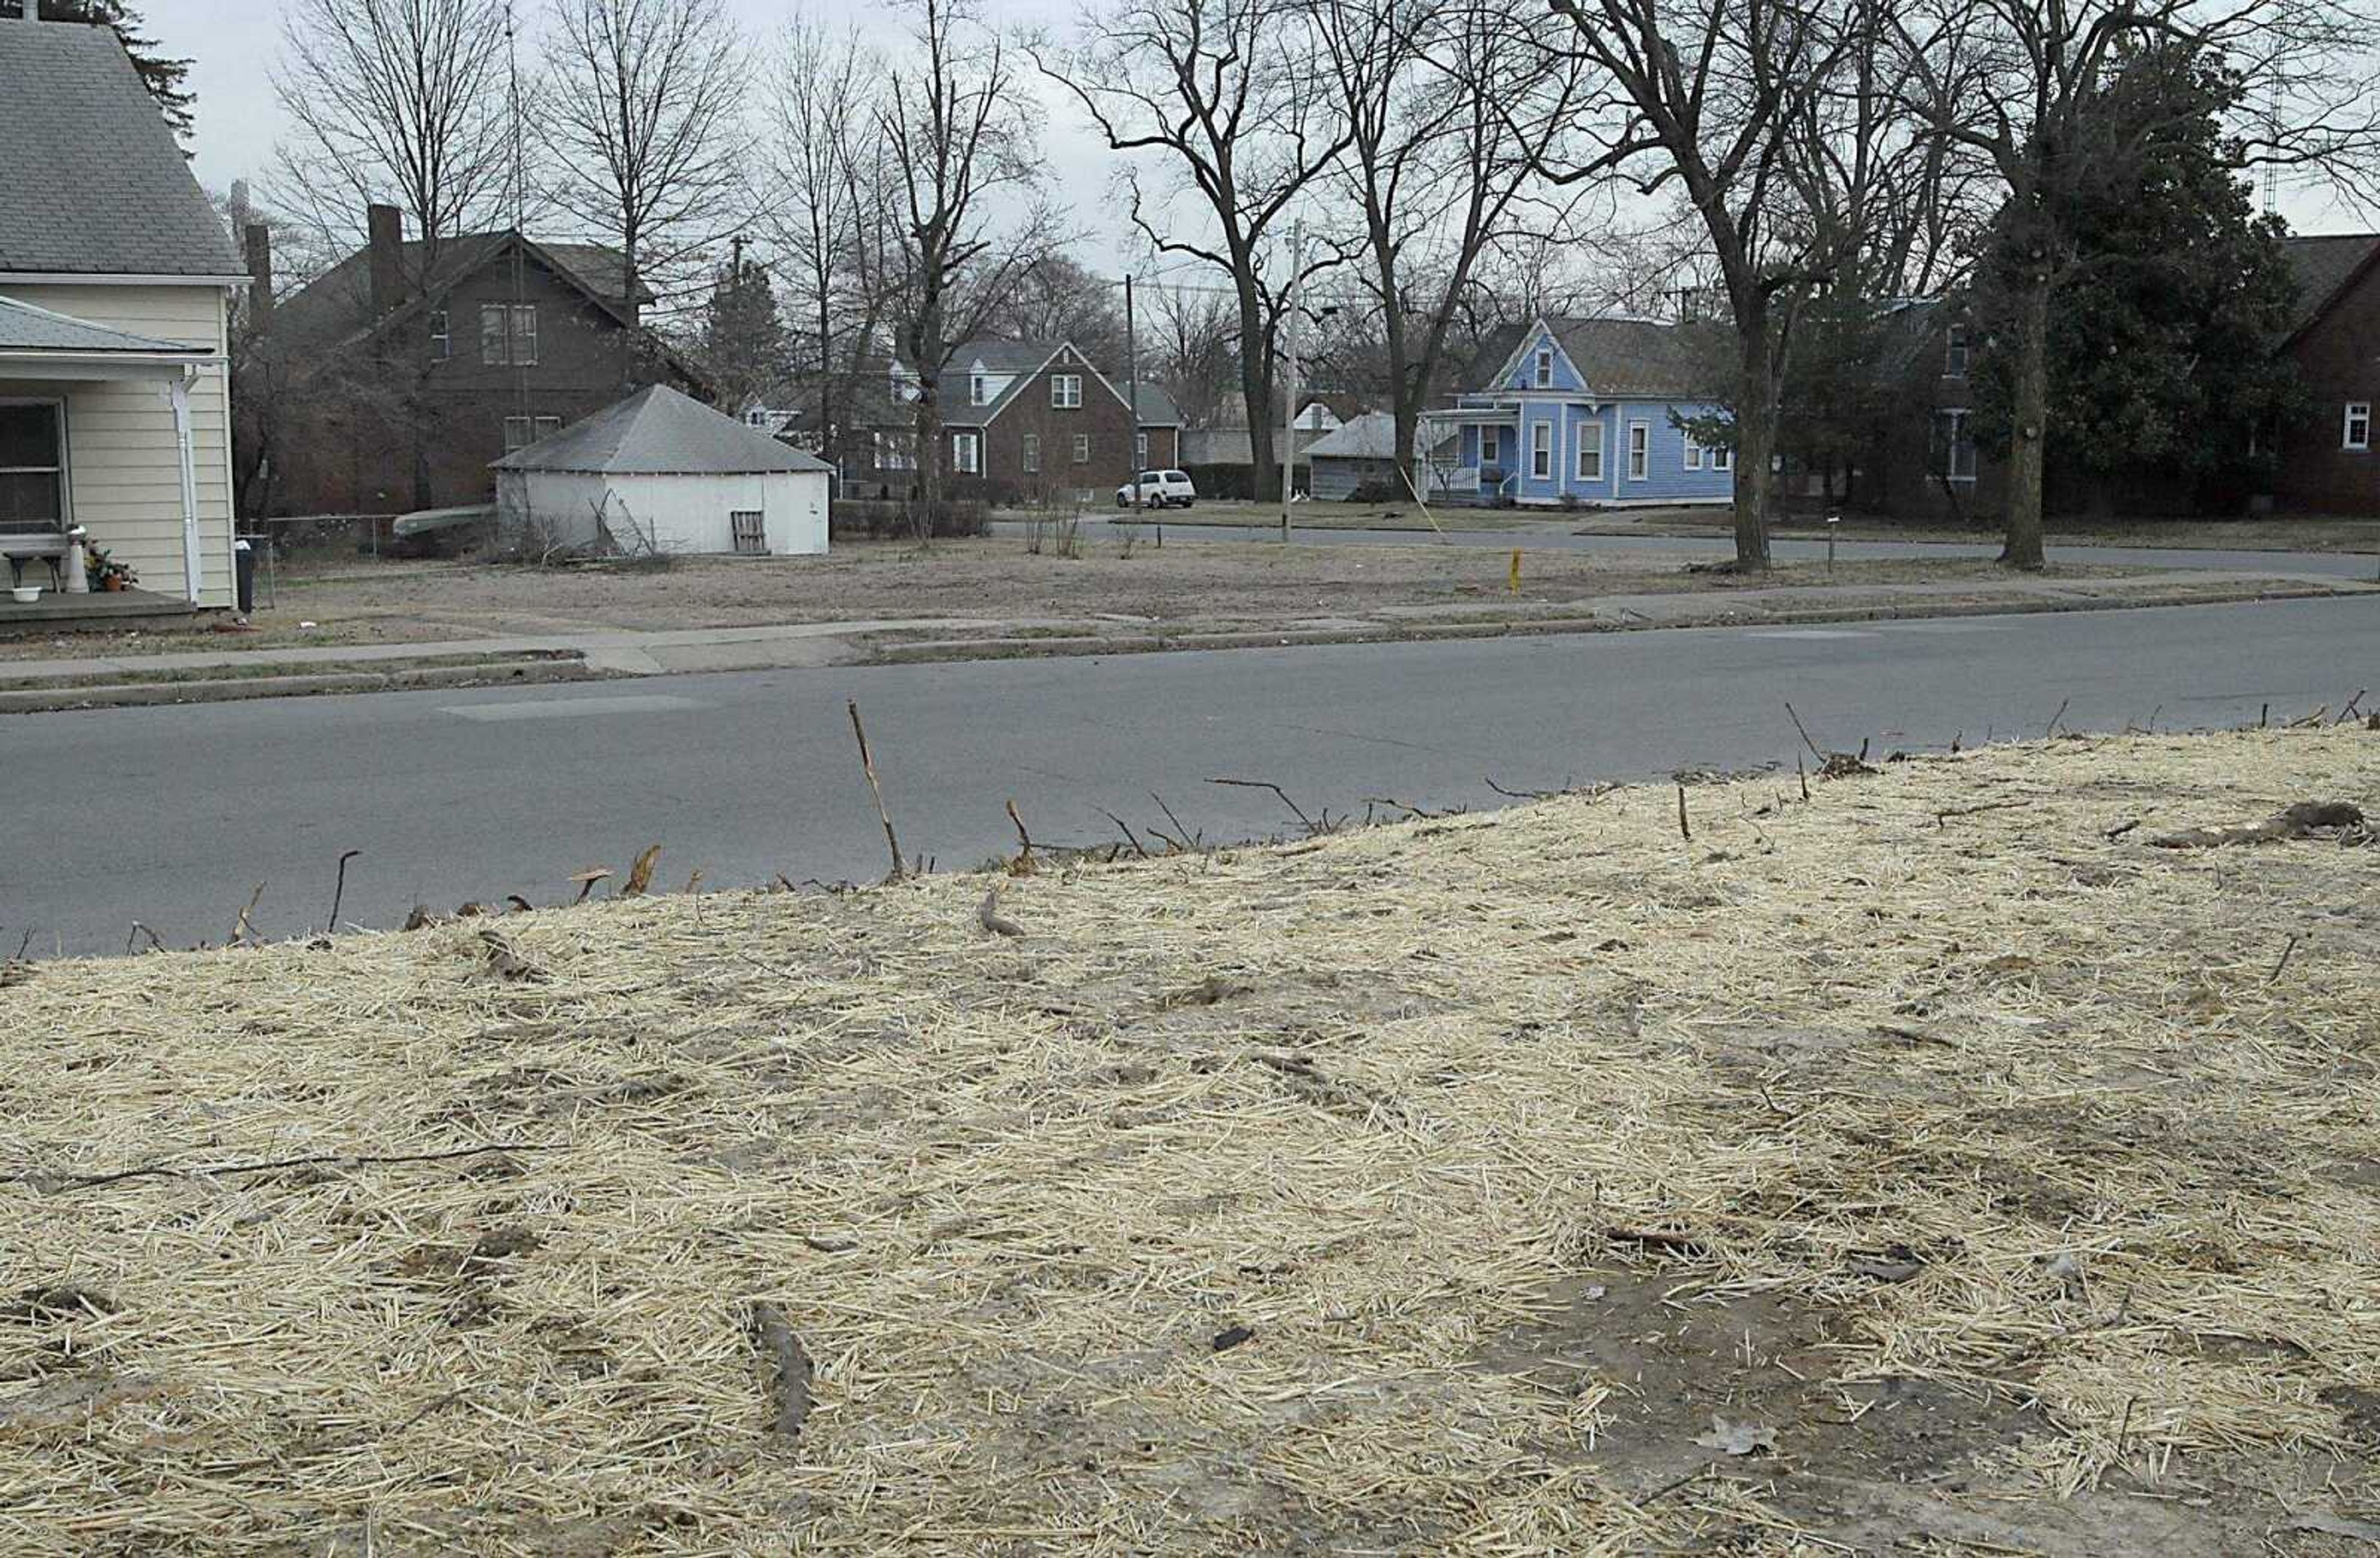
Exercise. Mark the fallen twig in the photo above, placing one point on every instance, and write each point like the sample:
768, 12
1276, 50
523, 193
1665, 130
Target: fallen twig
2275, 976
1311, 827
640, 875
1023, 865
988, 913
1130, 837
2047, 730
1805, 733
2290, 823
338, 893
868, 766
1683, 831
241, 930
216, 1171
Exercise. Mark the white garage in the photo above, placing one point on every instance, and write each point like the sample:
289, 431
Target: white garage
661, 473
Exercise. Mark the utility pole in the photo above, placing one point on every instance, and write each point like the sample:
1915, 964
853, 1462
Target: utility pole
1132, 390
1288, 395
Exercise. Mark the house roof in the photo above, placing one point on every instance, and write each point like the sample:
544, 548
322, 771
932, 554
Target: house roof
658, 431
26, 328
1020, 362
1371, 436
336, 305
90, 180
1620, 359
2324, 265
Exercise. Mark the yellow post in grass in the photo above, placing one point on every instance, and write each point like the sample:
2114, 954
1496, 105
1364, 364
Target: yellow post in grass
1513, 583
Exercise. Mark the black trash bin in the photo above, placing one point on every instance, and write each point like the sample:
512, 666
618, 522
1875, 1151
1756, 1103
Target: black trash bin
243, 559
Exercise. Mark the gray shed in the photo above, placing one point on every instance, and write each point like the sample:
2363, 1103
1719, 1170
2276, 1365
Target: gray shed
660, 472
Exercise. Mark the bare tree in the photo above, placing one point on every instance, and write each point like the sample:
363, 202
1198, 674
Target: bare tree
1232, 93
638, 111
393, 99
828, 213
1709, 95
1451, 114
1195, 352
1057, 299
2033, 91
957, 129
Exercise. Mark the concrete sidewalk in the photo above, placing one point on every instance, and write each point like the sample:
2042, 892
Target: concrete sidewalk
198, 676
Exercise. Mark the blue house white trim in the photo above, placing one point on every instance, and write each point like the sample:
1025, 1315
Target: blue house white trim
1586, 411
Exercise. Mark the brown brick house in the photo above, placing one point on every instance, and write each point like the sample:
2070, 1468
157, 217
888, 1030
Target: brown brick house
401, 375
2328, 463
1021, 421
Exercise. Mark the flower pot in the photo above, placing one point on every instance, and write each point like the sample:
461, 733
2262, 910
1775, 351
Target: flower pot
112, 582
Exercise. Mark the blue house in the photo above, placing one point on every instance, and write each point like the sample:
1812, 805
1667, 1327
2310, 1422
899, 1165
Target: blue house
1585, 411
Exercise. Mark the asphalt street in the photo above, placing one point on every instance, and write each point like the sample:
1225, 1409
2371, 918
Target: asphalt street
173, 816
1538, 538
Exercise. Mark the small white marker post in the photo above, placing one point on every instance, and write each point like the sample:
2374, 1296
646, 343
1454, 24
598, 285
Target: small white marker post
1832, 520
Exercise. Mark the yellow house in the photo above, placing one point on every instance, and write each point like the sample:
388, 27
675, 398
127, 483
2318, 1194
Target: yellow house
115, 279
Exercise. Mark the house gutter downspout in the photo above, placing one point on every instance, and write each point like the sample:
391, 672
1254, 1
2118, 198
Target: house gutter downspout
178, 390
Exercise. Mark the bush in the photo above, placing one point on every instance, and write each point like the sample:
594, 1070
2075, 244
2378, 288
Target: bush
898, 519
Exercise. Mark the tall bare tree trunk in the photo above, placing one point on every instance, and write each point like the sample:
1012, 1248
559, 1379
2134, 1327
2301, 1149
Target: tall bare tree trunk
1256, 391
2029, 420
1755, 433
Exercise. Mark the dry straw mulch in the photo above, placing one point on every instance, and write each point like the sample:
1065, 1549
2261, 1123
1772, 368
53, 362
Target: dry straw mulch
1220, 1210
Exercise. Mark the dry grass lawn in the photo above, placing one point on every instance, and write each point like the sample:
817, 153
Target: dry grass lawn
2000, 1182
1224, 584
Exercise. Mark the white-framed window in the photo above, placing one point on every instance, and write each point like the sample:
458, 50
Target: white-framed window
1693, 454
1957, 456
1541, 449
1140, 448
1082, 448
548, 426
1032, 455
519, 432
2355, 428
442, 335
1640, 451
1721, 457
1954, 351
1545, 368
1065, 391
515, 348
32, 465
978, 389
757, 415
1590, 451
893, 452
966, 453
1491, 446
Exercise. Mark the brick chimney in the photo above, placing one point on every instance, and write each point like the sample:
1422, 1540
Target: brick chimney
385, 227
258, 239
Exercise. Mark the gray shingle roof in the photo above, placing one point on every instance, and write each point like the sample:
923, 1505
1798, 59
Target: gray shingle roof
26, 328
90, 180
338, 304
1020, 358
657, 431
1620, 358
2324, 265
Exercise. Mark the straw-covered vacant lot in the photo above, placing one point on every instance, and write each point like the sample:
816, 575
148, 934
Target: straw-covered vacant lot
1941, 1162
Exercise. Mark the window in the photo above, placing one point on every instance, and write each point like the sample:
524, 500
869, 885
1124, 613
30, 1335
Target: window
2355, 429
32, 465
1082, 448
1722, 458
1032, 452
1693, 454
548, 426
1955, 451
518, 350
1954, 351
894, 453
967, 454
519, 432
1590, 451
1545, 368
1065, 391
442, 336
1541, 449
750, 530
1640, 451
756, 417
1140, 448
978, 389
1491, 446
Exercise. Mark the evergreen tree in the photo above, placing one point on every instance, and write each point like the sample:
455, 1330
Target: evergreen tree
742, 341
2169, 303
167, 79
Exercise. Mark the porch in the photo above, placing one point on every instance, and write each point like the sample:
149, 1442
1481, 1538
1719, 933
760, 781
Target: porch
96, 464
98, 611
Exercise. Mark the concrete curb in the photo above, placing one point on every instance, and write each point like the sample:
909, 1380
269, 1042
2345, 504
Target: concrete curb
941, 650
118, 695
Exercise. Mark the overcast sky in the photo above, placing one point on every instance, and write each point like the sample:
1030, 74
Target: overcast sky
235, 43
